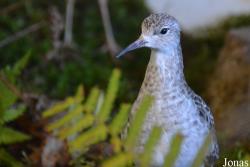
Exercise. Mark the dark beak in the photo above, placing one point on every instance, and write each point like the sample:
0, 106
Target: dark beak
139, 43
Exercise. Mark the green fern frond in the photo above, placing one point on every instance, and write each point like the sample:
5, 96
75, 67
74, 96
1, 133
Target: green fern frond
59, 107
75, 113
117, 125
92, 136
12, 72
120, 120
92, 99
20, 65
7, 97
202, 151
120, 160
80, 94
149, 147
11, 114
110, 96
137, 122
7, 160
9, 136
174, 150
116, 143
77, 127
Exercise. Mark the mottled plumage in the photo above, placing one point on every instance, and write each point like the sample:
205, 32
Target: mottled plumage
176, 109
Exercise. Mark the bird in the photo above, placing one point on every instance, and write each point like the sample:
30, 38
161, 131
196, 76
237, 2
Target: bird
176, 107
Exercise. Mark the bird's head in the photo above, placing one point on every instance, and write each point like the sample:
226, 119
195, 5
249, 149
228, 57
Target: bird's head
159, 32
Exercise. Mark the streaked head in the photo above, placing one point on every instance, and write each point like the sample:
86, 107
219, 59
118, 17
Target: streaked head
159, 31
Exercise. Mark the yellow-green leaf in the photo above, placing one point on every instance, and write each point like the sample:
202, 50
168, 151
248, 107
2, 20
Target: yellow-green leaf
92, 136
175, 146
110, 96
137, 122
152, 140
59, 107
85, 122
120, 160
202, 151
120, 119
66, 119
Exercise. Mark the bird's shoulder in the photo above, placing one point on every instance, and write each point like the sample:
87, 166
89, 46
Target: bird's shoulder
205, 114
203, 109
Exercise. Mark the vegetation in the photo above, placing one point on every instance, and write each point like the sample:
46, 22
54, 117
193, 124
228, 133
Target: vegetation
10, 110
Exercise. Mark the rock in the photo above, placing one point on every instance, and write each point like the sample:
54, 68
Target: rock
229, 89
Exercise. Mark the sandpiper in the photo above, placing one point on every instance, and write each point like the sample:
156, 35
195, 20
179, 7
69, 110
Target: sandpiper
176, 109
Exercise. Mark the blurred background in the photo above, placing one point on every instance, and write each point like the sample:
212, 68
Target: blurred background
74, 42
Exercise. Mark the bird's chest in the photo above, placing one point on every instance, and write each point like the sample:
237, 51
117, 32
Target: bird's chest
172, 114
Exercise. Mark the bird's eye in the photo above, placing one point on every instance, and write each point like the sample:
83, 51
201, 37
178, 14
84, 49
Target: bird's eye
164, 30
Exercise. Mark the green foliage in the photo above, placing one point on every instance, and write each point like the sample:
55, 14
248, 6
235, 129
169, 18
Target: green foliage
8, 97
8, 160
10, 136
11, 114
120, 160
202, 152
81, 115
110, 97
16, 70
84, 124
138, 122
119, 121
146, 157
173, 151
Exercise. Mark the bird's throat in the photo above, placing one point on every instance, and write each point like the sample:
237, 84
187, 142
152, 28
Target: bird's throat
164, 71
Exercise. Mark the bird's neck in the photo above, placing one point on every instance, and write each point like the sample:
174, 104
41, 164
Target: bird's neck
165, 70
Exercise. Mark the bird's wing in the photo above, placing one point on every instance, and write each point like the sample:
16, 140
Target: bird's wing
206, 115
213, 154
202, 108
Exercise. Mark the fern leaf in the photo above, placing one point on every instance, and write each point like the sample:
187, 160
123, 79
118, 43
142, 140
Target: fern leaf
202, 152
149, 146
12, 72
137, 123
116, 143
11, 114
88, 138
9, 136
78, 126
20, 65
80, 94
120, 160
174, 150
66, 119
110, 96
120, 120
8, 160
91, 102
7, 97
59, 107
